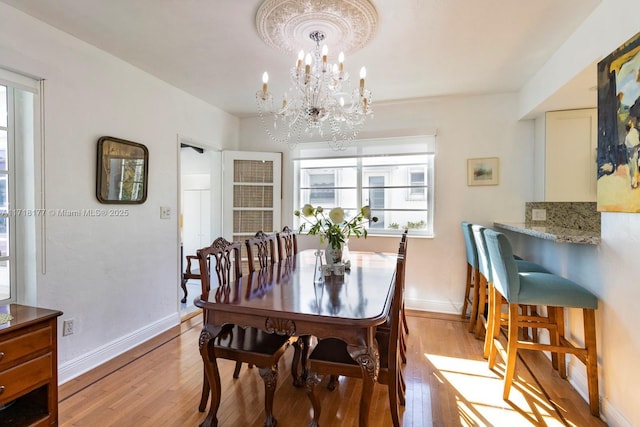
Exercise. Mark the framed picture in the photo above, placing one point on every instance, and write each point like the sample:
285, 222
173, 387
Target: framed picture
482, 171
122, 171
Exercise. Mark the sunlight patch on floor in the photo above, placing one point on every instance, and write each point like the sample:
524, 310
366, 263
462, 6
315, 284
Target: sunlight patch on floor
478, 392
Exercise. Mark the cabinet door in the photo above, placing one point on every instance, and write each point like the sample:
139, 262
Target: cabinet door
251, 194
570, 155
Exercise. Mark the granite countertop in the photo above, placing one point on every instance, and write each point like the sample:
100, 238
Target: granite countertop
555, 233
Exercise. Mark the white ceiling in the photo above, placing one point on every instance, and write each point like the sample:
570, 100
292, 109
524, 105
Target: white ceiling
422, 48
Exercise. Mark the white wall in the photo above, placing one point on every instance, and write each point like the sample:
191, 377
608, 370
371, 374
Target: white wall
609, 269
467, 127
117, 277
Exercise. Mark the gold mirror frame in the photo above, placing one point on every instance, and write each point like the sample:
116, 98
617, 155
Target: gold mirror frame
122, 171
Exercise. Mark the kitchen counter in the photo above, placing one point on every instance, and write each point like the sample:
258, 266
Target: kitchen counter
555, 233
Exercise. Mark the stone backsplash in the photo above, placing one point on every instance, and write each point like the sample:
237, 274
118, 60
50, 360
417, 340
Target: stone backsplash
574, 215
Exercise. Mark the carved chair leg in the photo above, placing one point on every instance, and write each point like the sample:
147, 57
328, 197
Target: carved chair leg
300, 356
312, 381
183, 284
236, 371
333, 380
270, 378
204, 397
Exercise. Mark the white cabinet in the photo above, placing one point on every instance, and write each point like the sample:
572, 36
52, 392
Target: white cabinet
570, 171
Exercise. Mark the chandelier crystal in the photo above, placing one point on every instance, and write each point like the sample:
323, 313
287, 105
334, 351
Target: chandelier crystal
319, 102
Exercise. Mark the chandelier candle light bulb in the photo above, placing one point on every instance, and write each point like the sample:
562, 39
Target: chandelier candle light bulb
300, 58
265, 80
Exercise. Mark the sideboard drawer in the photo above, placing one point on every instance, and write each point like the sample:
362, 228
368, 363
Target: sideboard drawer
25, 377
26, 345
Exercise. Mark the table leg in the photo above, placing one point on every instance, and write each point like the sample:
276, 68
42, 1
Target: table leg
369, 360
211, 370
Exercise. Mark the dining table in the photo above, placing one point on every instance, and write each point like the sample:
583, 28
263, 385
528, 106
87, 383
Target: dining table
289, 298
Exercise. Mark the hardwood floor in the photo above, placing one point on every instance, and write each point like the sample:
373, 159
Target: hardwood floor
448, 384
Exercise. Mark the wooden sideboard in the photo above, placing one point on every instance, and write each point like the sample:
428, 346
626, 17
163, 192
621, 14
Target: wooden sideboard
29, 367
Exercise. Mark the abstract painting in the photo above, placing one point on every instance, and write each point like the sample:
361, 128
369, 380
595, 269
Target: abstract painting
619, 129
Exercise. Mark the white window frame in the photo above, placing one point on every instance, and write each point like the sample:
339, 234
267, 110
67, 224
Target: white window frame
21, 210
375, 148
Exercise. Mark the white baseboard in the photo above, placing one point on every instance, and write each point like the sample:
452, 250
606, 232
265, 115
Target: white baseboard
612, 416
434, 306
78, 366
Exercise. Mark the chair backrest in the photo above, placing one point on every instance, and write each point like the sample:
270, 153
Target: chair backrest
225, 257
483, 255
396, 307
503, 265
470, 245
261, 248
287, 243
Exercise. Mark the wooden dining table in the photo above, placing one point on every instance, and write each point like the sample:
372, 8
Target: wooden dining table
284, 299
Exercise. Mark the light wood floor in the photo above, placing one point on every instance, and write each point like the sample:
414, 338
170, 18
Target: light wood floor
448, 384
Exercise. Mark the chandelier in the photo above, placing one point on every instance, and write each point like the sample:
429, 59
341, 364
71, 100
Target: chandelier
320, 102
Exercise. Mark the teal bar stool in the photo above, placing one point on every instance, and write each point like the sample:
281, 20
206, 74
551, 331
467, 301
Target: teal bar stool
473, 279
545, 289
486, 280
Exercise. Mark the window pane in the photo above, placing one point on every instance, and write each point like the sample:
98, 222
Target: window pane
252, 171
399, 220
3, 150
5, 288
3, 106
345, 198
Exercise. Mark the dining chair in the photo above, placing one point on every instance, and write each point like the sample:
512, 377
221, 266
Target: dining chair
261, 250
220, 264
330, 356
188, 274
544, 289
287, 242
403, 319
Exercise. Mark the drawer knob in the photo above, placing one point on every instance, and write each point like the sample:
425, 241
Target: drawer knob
1, 354
1, 389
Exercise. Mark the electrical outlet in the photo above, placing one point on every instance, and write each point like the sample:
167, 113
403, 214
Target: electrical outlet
539, 214
67, 327
165, 212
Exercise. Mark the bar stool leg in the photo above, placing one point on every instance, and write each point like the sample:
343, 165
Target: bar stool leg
467, 291
474, 304
490, 319
562, 357
589, 319
512, 349
553, 335
482, 300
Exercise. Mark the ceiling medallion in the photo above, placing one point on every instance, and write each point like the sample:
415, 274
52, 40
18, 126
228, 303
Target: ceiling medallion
348, 25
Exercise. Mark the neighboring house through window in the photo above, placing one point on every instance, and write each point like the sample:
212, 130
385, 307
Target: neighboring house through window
394, 176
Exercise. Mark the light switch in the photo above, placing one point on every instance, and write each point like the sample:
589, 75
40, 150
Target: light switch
165, 212
539, 214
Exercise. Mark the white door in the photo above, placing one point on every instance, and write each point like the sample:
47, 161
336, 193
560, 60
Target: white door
252, 193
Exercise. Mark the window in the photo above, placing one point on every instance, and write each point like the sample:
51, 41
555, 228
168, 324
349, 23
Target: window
393, 176
17, 213
416, 179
